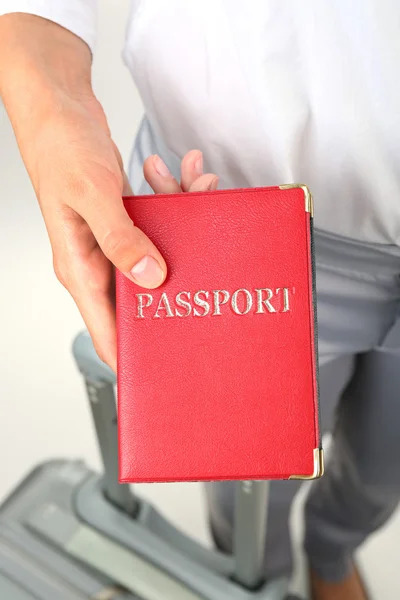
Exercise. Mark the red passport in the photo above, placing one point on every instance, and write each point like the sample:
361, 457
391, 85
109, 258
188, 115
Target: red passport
217, 368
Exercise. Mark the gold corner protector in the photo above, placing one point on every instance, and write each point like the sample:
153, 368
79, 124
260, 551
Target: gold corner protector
308, 199
319, 467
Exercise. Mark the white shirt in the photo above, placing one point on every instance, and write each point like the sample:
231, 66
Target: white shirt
272, 92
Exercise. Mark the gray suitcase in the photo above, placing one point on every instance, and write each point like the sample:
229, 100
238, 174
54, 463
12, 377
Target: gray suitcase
67, 533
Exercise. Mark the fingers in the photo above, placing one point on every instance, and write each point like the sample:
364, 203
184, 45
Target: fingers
192, 179
125, 245
191, 169
126, 190
205, 183
96, 303
88, 275
159, 177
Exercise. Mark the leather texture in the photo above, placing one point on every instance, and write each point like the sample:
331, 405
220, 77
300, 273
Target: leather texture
228, 392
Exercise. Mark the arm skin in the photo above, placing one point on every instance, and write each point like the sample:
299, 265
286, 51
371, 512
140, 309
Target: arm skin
76, 170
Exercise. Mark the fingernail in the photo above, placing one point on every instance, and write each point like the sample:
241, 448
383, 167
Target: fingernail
198, 164
214, 184
161, 167
147, 272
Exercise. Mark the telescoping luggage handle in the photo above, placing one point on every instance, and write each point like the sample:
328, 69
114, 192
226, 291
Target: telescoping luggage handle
100, 381
251, 497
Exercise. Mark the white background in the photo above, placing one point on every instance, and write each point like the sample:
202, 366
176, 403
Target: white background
43, 408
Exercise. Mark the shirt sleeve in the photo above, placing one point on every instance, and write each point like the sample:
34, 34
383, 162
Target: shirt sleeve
79, 16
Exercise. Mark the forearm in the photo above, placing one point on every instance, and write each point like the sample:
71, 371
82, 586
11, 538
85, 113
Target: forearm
73, 163
39, 60
45, 81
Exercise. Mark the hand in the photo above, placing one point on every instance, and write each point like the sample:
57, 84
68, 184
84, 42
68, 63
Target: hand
77, 172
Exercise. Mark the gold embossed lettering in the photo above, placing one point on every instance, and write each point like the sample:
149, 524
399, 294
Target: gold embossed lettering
285, 292
248, 302
183, 304
143, 301
201, 302
266, 302
164, 305
218, 301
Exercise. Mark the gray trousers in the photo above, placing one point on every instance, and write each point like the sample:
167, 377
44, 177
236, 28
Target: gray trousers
358, 295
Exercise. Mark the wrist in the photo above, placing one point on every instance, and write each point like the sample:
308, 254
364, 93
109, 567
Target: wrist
39, 55
41, 64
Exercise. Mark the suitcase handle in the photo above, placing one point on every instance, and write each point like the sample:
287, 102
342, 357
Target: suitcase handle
250, 528
100, 381
89, 364
251, 497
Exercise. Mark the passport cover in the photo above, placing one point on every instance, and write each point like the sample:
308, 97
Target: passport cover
217, 368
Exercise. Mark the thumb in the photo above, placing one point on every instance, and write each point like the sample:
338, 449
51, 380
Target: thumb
124, 244
127, 190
